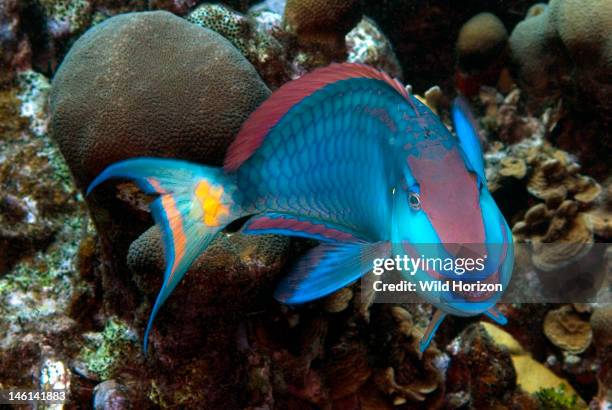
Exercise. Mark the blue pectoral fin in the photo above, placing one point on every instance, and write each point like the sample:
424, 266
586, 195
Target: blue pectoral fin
187, 226
466, 129
496, 316
327, 268
300, 226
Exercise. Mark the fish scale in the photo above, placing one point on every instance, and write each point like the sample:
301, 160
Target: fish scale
314, 177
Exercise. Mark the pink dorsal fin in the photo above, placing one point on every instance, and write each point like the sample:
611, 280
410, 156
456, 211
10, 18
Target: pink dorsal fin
257, 126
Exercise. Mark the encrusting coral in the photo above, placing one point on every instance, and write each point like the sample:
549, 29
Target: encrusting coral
65, 17
41, 219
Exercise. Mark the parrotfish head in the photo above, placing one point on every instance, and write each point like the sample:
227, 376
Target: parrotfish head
443, 209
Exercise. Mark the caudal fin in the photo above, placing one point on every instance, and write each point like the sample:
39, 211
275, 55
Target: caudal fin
194, 204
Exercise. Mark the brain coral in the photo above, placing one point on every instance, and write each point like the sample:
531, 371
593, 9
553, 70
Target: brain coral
147, 84
567, 46
150, 84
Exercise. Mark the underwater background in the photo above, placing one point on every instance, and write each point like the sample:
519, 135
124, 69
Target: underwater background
177, 78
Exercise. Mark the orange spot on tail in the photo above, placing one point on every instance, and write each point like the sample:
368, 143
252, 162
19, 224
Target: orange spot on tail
210, 198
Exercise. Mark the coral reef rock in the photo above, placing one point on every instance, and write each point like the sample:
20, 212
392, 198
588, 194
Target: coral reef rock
481, 374
236, 272
15, 49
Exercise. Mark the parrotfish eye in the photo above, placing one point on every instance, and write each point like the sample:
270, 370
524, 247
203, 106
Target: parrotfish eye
414, 200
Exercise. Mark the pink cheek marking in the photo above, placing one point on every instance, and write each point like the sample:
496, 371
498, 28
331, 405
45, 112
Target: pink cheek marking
449, 197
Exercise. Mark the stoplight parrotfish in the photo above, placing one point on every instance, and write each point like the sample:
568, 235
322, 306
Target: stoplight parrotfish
346, 156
